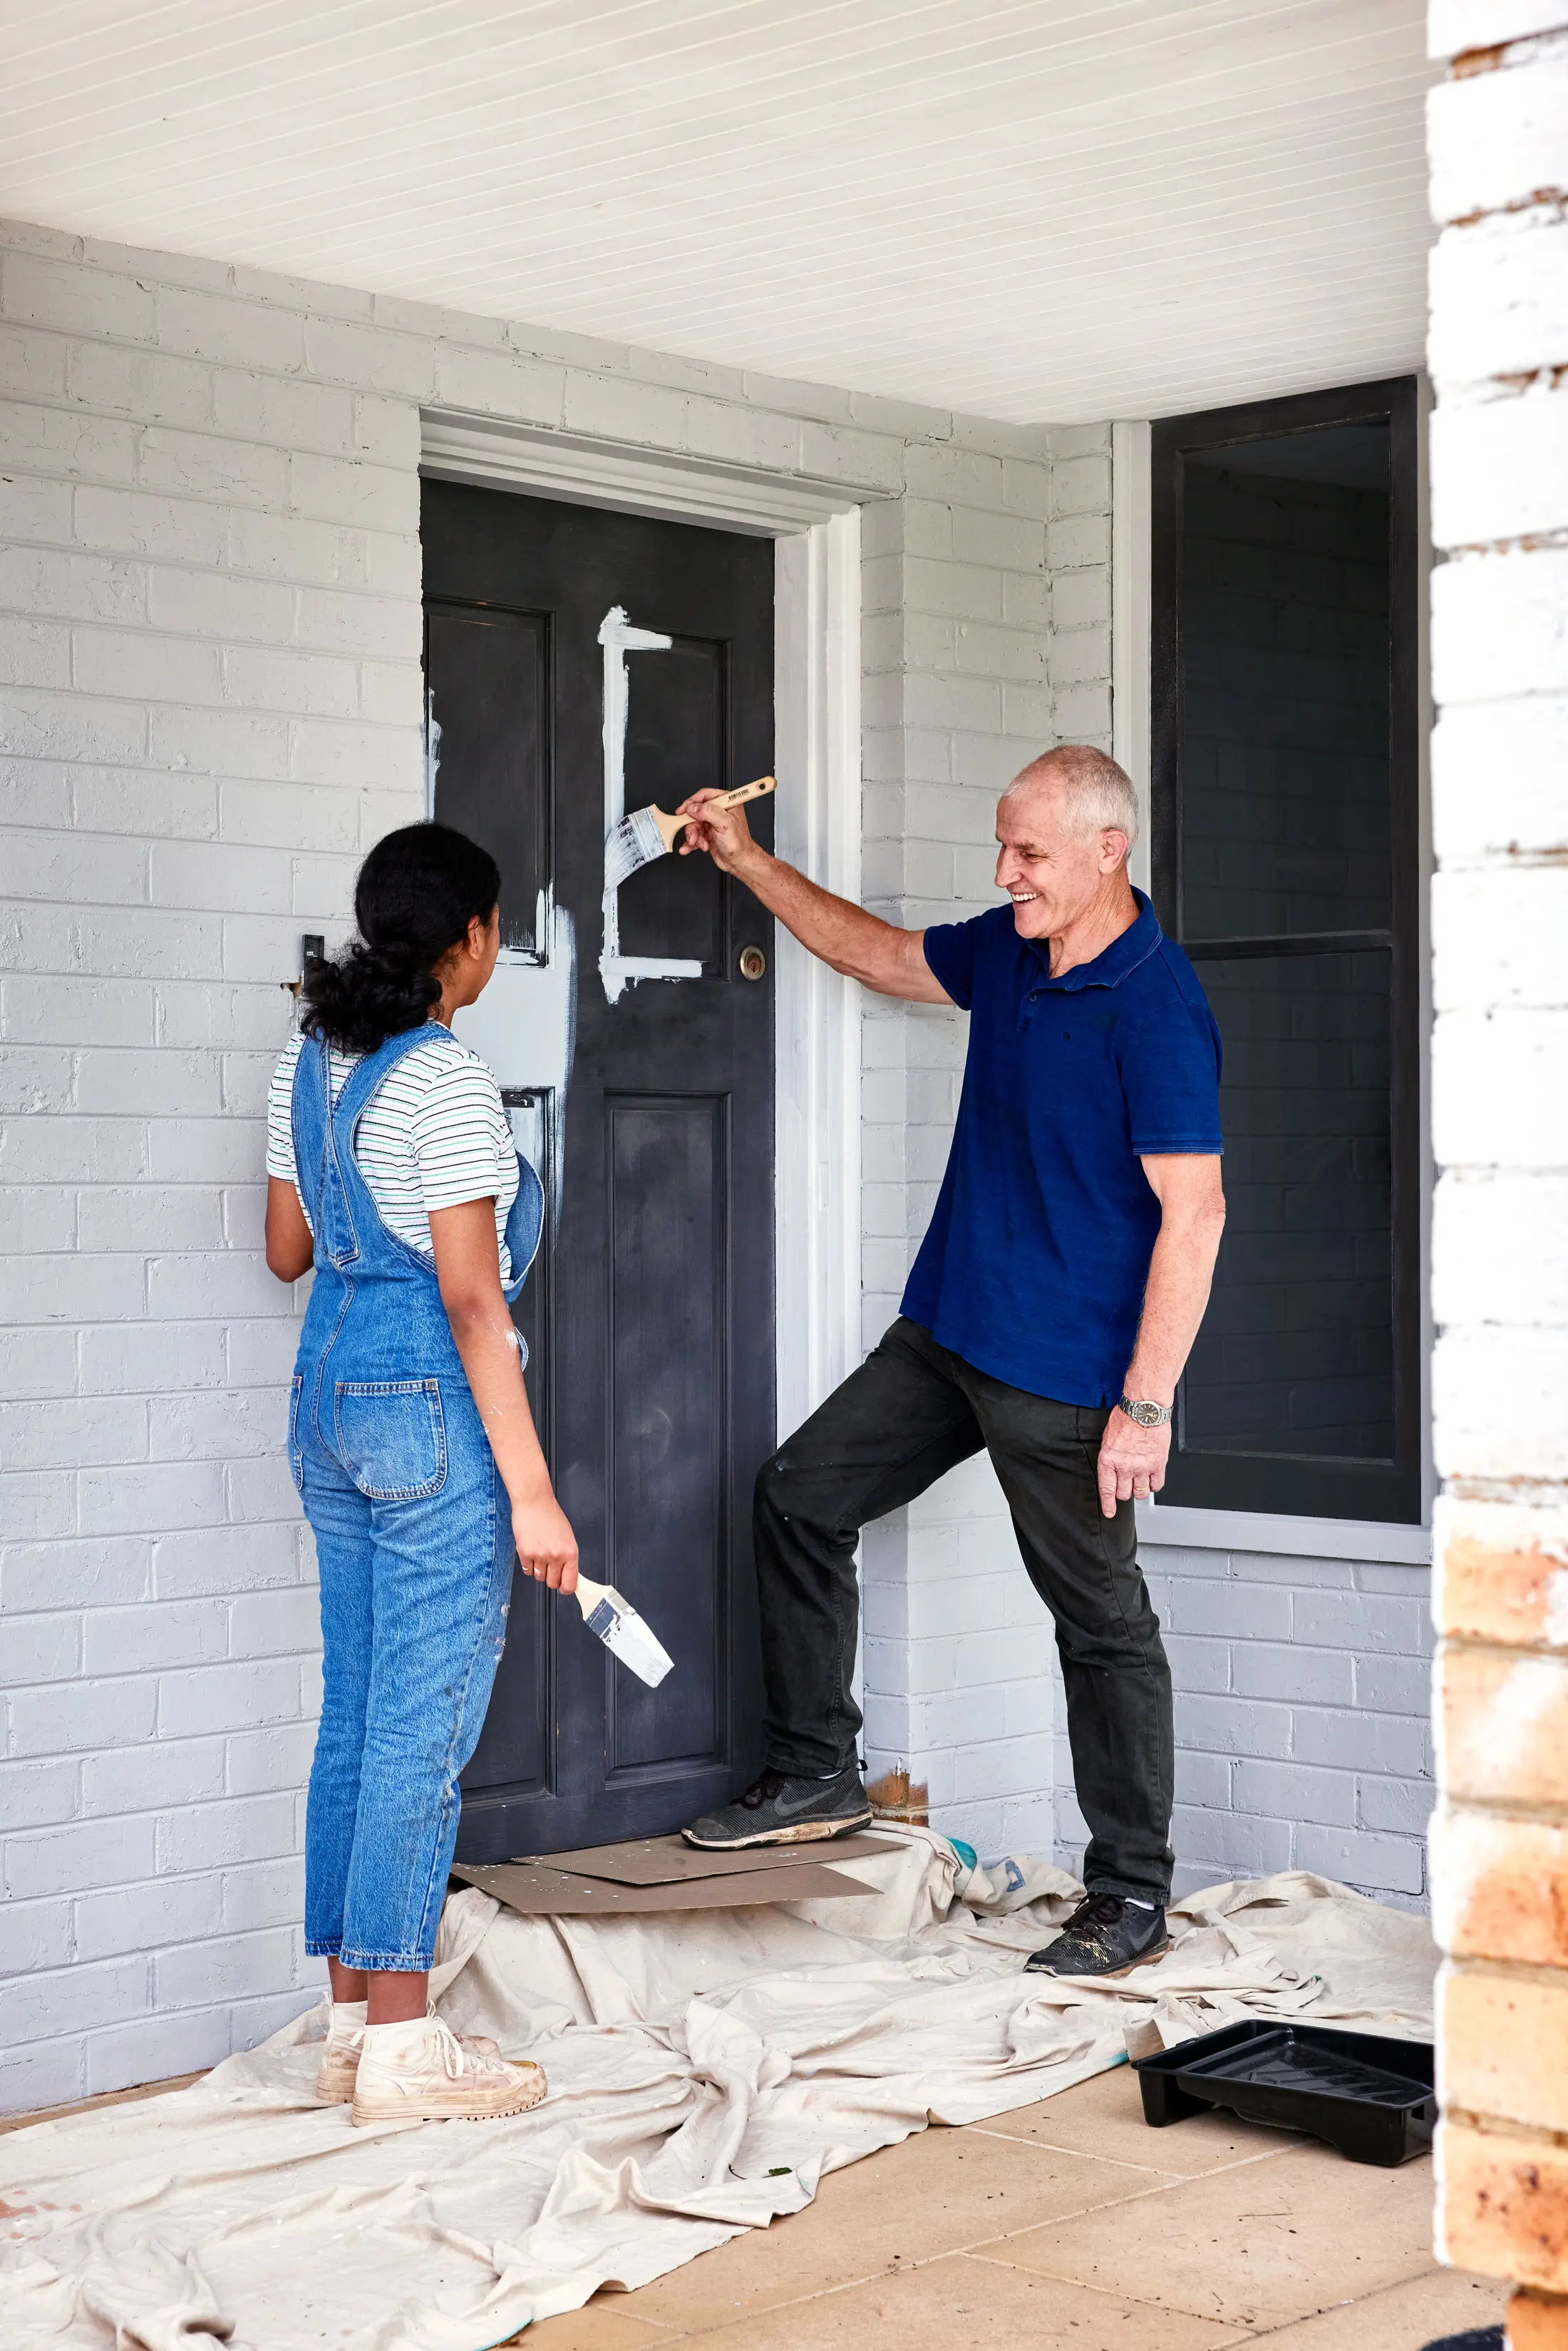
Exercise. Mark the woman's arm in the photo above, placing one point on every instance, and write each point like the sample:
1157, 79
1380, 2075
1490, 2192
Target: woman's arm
468, 1268
289, 1248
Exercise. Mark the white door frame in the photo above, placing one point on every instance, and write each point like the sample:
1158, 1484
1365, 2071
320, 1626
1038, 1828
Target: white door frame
817, 723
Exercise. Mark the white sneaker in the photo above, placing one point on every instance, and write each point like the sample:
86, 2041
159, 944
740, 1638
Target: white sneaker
341, 2057
424, 2072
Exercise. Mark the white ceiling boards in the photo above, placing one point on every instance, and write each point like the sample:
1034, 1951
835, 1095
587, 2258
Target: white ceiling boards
1041, 210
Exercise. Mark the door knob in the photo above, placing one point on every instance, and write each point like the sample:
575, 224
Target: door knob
753, 963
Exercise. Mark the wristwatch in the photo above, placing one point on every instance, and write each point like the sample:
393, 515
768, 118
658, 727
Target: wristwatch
1147, 1416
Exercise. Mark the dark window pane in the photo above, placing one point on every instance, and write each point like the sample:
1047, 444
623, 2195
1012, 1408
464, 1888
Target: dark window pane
485, 676
1296, 1352
1285, 637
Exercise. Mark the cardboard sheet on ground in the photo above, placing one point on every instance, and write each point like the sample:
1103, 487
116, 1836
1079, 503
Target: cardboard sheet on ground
705, 2069
670, 1861
531, 1887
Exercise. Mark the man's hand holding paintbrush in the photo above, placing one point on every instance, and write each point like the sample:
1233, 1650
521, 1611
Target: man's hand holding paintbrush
843, 935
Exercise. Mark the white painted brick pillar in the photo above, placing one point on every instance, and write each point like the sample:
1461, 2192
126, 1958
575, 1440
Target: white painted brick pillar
1498, 353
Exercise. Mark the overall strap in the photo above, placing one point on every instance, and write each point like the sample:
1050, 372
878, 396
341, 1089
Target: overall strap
310, 1123
524, 1225
357, 1208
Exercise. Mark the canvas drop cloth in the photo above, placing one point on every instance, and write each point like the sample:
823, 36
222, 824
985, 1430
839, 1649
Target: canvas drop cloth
705, 2070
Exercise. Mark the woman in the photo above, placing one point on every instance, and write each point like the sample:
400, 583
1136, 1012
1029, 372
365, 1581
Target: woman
390, 1170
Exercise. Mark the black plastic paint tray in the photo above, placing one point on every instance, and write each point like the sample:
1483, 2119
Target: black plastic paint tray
1369, 2096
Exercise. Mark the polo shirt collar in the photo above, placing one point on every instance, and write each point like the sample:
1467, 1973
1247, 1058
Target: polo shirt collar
1112, 966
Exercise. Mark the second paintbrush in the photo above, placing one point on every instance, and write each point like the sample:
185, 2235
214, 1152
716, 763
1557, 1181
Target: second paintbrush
649, 833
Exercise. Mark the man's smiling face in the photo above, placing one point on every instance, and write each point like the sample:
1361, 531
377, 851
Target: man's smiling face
1051, 874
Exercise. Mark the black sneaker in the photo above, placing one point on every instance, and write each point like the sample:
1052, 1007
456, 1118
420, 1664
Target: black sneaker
1106, 1936
777, 1810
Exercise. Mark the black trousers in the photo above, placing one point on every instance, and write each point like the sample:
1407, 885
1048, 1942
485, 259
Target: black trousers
912, 1411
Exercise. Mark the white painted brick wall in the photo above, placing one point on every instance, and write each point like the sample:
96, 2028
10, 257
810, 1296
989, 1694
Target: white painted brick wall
1498, 353
209, 684
1302, 1704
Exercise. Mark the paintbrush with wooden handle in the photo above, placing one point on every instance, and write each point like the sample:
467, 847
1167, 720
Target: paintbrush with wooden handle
649, 833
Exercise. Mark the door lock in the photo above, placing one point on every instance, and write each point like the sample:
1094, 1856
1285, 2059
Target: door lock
752, 962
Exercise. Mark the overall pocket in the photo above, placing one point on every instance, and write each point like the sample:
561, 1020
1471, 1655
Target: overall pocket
392, 1438
295, 1452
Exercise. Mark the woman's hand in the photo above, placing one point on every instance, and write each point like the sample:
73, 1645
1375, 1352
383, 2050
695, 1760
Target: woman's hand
546, 1548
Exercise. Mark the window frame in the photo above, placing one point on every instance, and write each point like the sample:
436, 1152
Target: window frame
1320, 1487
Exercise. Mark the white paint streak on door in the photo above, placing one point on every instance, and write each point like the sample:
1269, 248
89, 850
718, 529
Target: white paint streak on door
432, 751
524, 1027
617, 636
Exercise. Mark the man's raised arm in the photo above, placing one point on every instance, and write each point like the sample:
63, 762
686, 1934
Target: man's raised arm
878, 953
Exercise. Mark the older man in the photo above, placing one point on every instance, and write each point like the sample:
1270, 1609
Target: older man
1048, 1318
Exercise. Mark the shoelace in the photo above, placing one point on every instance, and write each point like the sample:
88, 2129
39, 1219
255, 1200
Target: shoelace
1095, 1910
454, 2056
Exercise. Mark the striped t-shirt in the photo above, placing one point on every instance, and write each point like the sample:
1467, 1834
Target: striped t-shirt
434, 1134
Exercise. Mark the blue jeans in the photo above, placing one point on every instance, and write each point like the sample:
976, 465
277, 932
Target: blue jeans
415, 1577
912, 1411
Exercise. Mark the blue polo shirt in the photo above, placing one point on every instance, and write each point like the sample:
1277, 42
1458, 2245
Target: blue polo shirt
1034, 1265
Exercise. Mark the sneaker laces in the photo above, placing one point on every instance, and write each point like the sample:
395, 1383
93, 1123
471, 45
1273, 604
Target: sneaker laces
1095, 1910
470, 2054
763, 1788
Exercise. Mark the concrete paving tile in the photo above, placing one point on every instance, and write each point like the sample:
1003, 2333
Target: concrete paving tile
1105, 2115
930, 2194
1255, 2246
1403, 2318
959, 2303
599, 2326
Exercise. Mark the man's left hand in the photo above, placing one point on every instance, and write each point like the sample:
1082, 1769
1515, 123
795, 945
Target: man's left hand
1132, 1462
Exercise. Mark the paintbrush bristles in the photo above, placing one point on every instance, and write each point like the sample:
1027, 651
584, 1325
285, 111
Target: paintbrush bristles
631, 1639
636, 840
648, 833
625, 1634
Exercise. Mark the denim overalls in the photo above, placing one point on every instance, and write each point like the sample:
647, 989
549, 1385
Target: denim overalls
414, 1540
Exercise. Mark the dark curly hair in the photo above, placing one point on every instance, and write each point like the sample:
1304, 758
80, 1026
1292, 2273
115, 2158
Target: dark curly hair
417, 892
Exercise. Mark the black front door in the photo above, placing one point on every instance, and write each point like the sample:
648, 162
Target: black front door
577, 660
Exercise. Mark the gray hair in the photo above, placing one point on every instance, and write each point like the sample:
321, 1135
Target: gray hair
1099, 793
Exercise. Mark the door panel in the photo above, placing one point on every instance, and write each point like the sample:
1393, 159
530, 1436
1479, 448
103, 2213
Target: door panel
669, 1223
650, 1315
676, 729
494, 669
